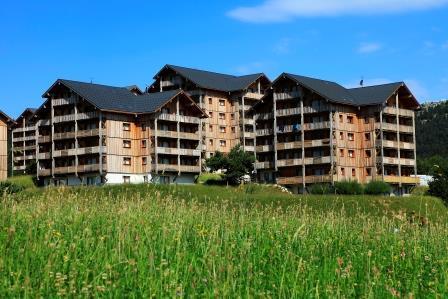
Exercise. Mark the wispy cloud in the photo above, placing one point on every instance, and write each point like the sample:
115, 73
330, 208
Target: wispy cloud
287, 10
366, 48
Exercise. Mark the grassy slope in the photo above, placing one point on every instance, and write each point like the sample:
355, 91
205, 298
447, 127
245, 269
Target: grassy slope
216, 241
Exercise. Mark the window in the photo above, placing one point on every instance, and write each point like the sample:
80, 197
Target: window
210, 128
350, 119
341, 135
126, 179
367, 136
145, 179
166, 110
351, 153
143, 127
341, 118
351, 136
126, 126
341, 152
342, 171
353, 172
366, 120
368, 153
211, 114
144, 160
222, 143
233, 129
144, 143
369, 171
127, 161
232, 116
127, 143
210, 142
222, 103
210, 101
222, 116
222, 129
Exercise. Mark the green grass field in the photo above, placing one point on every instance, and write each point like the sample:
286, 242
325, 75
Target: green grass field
209, 241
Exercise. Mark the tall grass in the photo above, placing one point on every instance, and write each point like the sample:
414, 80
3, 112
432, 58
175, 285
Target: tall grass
143, 241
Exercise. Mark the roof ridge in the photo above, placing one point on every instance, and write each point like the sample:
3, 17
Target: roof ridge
205, 71
88, 83
376, 85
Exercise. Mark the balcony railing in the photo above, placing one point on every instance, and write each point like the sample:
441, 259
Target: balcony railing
289, 162
181, 135
44, 156
190, 152
264, 116
64, 135
287, 95
91, 168
66, 101
180, 118
249, 134
264, 165
72, 117
391, 179
394, 144
26, 138
190, 168
307, 144
44, 139
297, 180
264, 148
249, 148
44, 172
265, 132
64, 153
401, 112
396, 161
65, 170
253, 95
44, 122
22, 129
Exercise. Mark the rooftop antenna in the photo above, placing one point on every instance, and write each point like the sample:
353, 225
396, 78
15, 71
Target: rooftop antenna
361, 83
91, 80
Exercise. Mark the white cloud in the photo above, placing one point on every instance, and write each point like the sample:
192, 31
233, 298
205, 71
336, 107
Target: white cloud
287, 10
366, 48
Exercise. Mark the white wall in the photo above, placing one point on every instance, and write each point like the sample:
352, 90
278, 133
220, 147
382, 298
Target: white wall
117, 178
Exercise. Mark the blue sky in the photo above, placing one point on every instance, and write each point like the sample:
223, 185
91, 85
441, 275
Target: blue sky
122, 43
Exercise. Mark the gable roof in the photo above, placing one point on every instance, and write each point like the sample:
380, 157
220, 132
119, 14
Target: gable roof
120, 99
334, 92
6, 117
376, 94
29, 111
214, 81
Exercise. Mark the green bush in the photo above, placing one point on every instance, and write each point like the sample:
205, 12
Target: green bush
10, 188
377, 188
439, 185
320, 189
348, 188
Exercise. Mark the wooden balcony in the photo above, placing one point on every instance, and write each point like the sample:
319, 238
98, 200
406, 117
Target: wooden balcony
249, 134
24, 138
24, 129
66, 101
44, 172
289, 162
190, 168
179, 118
396, 161
393, 127
44, 156
264, 148
395, 144
298, 180
403, 179
288, 112
189, 152
65, 170
264, 116
318, 160
24, 158
90, 133
287, 95
401, 112
167, 134
249, 148
265, 132
44, 139
73, 117
91, 168
175, 134
64, 153
177, 168
253, 95
247, 121
307, 144
190, 136
44, 122
65, 135
264, 165
19, 167
89, 150
306, 127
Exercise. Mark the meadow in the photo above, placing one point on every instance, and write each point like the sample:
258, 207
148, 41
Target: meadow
211, 241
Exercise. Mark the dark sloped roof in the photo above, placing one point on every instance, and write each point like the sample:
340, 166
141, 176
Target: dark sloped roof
377, 94
5, 116
330, 90
215, 81
120, 99
29, 111
362, 96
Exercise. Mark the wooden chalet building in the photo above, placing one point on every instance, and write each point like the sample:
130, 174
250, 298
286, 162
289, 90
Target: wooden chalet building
225, 98
24, 141
96, 134
5, 123
313, 131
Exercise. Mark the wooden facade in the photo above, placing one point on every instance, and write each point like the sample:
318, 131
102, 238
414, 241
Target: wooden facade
5, 123
79, 143
303, 138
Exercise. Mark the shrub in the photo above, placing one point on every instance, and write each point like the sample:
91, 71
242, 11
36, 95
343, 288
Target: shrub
377, 188
348, 188
320, 189
10, 188
439, 186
